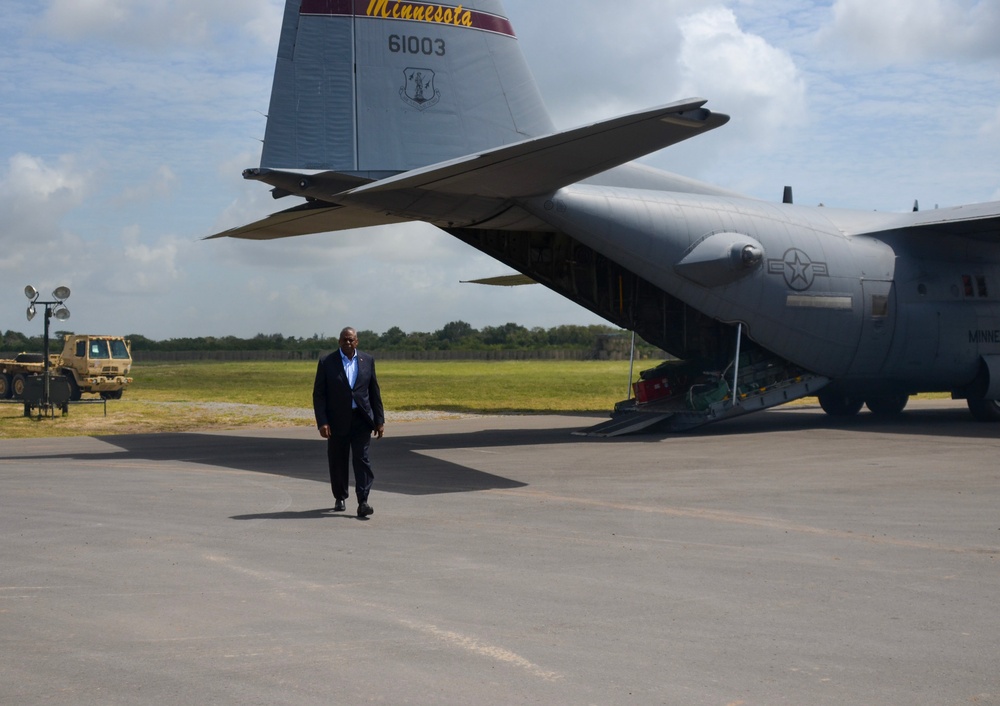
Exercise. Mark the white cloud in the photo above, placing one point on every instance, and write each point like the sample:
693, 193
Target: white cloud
160, 185
162, 23
147, 268
594, 60
757, 82
904, 31
990, 130
36, 196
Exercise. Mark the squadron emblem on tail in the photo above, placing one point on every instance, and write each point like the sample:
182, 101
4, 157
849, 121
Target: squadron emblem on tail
418, 89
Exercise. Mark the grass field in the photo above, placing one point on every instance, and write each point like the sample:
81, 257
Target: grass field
224, 395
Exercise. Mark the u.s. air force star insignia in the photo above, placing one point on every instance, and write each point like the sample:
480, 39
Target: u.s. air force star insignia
799, 271
418, 89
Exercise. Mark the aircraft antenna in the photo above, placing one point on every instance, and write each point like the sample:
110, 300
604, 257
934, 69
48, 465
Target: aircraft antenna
787, 196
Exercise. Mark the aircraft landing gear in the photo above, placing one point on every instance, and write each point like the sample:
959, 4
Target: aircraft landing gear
984, 410
839, 405
887, 405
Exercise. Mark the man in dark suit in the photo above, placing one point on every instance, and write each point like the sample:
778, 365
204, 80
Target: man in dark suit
348, 406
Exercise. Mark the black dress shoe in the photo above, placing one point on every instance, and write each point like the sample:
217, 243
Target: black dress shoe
364, 510
340, 506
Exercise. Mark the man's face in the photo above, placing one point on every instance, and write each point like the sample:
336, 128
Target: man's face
348, 343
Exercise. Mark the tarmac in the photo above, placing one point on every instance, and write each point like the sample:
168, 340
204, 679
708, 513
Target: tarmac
780, 558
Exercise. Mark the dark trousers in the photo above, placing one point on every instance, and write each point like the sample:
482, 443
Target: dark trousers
354, 446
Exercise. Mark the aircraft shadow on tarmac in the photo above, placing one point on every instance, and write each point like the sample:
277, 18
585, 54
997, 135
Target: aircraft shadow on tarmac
400, 467
948, 421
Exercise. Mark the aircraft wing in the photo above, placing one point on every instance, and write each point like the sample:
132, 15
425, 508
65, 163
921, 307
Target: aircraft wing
313, 217
977, 221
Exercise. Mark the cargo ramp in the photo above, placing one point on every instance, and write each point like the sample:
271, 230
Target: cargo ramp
681, 395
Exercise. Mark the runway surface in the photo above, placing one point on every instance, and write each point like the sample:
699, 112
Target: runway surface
776, 559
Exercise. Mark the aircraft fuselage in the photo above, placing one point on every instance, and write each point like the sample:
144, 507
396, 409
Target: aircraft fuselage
897, 311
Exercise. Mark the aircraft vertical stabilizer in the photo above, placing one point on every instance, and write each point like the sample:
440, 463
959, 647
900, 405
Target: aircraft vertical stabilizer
377, 87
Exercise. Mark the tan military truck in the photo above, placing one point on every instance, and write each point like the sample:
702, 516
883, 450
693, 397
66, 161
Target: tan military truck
93, 364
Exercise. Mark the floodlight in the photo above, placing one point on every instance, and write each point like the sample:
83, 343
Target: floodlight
31, 312
61, 293
31, 293
61, 312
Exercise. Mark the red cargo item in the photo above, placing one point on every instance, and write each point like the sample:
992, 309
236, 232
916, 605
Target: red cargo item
651, 390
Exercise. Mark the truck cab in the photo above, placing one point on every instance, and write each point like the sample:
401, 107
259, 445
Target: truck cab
96, 364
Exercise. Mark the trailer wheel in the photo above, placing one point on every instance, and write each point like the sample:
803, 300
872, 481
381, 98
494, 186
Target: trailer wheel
17, 386
4, 386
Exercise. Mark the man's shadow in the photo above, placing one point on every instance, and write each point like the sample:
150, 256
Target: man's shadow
318, 514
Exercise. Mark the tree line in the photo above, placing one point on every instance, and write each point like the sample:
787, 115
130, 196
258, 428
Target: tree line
453, 336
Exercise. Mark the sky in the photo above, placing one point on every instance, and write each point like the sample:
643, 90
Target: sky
125, 126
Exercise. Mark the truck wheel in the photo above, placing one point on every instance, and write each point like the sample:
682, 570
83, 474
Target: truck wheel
17, 386
4, 386
74, 389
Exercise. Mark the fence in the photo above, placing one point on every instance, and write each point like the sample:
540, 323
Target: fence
252, 355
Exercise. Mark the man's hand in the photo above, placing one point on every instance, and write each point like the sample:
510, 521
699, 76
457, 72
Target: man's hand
324, 431
378, 431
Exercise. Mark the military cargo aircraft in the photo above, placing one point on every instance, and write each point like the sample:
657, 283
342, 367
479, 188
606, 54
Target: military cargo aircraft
385, 111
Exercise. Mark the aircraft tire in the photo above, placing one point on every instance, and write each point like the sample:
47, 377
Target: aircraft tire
837, 405
985, 410
887, 405
17, 386
4, 386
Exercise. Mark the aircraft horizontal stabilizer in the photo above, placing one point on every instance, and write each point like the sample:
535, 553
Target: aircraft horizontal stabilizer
308, 218
314, 184
475, 187
503, 281
546, 164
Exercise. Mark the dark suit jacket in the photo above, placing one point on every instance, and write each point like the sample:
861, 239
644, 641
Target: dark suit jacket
332, 395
